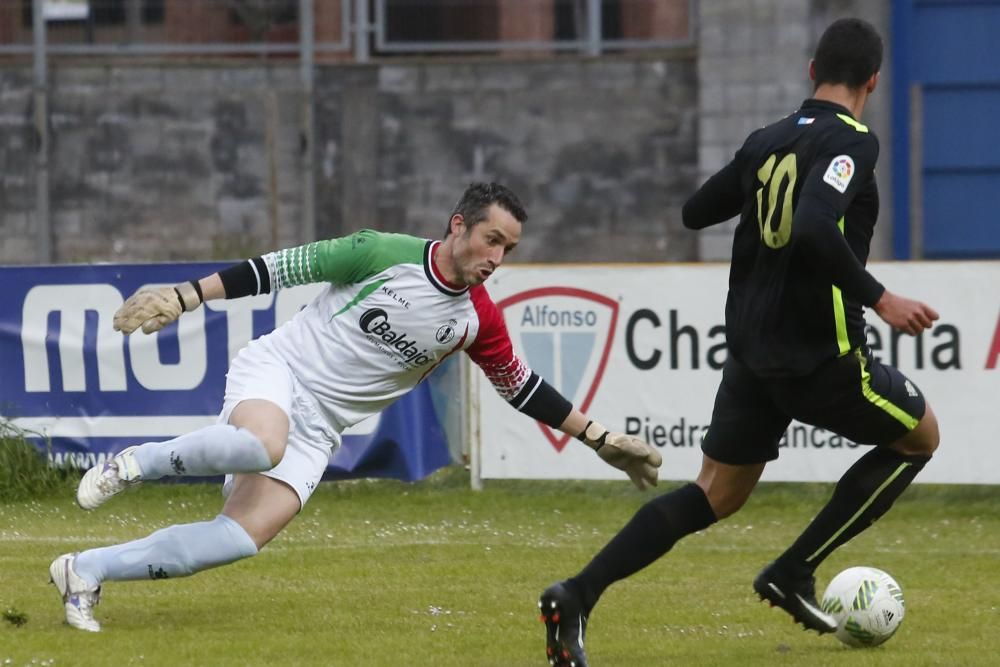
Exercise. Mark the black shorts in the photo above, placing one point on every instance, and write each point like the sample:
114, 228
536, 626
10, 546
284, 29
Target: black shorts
854, 396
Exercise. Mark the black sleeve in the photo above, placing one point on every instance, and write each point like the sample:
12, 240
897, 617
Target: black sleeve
248, 278
539, 400
824, 198
718, 200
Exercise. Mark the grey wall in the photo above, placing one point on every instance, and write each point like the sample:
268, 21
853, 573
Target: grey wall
193, 161
196, 161
753, 69
151, 163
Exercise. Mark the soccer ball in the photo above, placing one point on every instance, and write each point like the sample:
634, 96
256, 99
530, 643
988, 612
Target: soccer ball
867, 603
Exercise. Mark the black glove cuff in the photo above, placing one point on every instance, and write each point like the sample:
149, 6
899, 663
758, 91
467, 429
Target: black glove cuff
599, 442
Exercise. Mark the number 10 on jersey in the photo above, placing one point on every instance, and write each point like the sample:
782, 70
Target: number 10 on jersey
771, 179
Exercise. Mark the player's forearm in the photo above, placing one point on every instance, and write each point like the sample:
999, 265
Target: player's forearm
718, 200
540, 401
817, 234
212, 288
849, 274
153, 309
267, 273
574, 423
587, 431
196, 292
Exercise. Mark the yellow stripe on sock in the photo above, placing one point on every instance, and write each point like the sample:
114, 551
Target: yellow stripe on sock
857, 514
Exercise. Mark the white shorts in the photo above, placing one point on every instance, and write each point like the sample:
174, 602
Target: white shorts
255, 373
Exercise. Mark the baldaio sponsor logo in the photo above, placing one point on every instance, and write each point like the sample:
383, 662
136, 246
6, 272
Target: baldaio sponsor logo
375, 322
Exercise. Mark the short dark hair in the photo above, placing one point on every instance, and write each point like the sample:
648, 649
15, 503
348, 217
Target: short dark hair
849, 52
478, 197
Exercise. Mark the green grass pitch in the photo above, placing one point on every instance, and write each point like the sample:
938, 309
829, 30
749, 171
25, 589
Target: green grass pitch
384, 573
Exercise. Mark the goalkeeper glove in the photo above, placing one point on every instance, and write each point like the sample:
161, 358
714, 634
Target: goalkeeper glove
153, 309
637, 458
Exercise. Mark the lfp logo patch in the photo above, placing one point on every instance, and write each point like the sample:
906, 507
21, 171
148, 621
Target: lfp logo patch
839, 173
564, 334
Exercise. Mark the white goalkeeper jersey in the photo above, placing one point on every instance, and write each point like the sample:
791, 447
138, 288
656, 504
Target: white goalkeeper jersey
386, 321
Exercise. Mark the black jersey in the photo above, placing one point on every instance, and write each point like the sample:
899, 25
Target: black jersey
805, 190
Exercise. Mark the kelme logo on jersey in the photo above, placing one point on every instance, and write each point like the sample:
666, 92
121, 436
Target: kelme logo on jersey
839, 173
564, 334
375, 321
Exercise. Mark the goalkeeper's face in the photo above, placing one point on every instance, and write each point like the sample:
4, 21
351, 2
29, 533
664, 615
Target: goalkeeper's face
477, 251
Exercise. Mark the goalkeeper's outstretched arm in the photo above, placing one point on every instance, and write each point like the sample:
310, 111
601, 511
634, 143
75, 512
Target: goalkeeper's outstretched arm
334, 260
531, 395
153, 309
636, 457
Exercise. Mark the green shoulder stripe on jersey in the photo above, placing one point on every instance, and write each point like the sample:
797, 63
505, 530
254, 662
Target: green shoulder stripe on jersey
346, 260
360, 296
904, 418
853, 123
839, 315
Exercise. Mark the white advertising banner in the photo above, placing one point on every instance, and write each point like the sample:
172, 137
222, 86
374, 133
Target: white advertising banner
641, 348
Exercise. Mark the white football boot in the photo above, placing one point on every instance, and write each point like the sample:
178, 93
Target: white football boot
102, 482
79, 599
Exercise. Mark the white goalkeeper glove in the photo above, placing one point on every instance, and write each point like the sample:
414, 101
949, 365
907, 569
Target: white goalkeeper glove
153, 309
637, 458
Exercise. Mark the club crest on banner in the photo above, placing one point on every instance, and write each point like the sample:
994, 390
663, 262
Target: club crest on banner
565, 335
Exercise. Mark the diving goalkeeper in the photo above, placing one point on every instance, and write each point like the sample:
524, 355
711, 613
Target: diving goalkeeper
396, 306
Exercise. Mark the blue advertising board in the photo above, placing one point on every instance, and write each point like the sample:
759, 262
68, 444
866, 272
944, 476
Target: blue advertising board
68, 376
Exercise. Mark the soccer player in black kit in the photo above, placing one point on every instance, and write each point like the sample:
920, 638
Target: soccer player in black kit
804, 188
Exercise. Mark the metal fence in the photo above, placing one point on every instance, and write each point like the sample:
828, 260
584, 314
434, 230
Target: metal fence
307, 30
175, 27
347, 29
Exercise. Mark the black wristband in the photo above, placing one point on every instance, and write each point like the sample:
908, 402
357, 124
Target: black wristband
539, 400
248, 278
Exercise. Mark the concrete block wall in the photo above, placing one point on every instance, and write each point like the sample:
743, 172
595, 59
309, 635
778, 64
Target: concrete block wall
191, 160
753, 58
601, 174
173, 161
154, 163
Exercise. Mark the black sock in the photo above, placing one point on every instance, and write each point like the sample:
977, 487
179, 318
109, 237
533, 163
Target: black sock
865, 492
652, 532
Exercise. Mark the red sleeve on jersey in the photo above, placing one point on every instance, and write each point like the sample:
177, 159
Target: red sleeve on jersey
492, 350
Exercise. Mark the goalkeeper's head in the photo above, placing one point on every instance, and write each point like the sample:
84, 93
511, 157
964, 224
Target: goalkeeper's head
483, 229
477, 199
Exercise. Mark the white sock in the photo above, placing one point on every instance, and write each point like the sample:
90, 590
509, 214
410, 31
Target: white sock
176, 551
214, 450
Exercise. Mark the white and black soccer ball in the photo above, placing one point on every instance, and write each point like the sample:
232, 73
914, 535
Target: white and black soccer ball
867, 603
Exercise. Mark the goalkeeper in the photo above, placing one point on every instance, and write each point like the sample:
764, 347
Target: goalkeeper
396, 306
